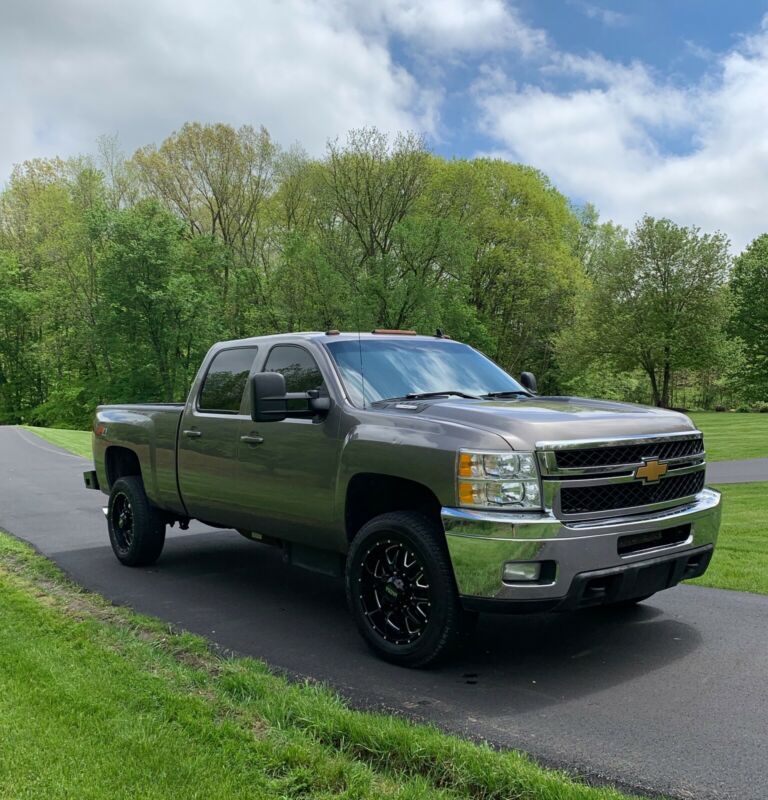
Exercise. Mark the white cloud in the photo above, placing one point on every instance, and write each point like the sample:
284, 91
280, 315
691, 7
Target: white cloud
606, 16
606, 141
308, 70
76, 69
311, 69
458, 25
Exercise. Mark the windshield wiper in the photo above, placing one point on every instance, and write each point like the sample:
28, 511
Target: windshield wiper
450, 393
427, 395
508, 393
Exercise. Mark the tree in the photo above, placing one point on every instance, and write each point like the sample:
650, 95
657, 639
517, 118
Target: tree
360, 245
749, 290
116, 275
523, 275
368, 228
656, 301
218, 181
159, 306
43, 231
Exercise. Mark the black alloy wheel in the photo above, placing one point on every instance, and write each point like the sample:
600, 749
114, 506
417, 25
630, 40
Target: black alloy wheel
122, 521
394, 592
401, 590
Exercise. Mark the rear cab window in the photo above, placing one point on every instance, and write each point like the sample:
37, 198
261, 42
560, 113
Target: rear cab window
225, 381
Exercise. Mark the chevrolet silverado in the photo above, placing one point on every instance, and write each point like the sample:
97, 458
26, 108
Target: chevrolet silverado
433, 481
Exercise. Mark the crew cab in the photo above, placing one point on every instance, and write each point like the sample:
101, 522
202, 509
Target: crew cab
433, 481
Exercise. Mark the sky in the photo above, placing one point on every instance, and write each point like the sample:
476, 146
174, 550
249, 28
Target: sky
652, 106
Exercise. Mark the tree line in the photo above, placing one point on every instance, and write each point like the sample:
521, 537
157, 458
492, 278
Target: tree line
117, 274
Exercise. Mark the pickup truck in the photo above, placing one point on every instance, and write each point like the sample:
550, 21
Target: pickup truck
434, 482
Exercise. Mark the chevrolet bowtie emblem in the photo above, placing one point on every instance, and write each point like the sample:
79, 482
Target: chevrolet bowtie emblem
651, 471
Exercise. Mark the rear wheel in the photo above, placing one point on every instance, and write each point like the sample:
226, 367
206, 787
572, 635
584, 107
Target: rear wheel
136, 527
401, 591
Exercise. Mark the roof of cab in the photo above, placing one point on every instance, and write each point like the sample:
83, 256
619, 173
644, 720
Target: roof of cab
331, 336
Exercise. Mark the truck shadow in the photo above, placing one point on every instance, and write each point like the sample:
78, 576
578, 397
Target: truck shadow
243, 597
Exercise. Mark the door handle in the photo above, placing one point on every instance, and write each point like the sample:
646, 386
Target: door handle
192, 434
252, 439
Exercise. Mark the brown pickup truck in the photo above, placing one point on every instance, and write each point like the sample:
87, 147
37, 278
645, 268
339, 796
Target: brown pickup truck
434, 482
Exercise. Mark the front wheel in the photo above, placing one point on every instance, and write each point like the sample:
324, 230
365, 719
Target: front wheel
136, 528
401, 591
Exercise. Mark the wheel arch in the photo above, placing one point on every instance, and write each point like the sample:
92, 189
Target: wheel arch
121, 462
370, 494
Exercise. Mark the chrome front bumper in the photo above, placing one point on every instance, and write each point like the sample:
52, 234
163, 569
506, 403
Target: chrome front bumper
481, 542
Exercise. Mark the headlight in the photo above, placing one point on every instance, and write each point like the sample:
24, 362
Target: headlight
491, 480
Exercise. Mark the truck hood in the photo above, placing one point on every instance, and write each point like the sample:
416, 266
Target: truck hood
524, 421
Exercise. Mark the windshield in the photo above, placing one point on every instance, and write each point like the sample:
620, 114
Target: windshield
394, 369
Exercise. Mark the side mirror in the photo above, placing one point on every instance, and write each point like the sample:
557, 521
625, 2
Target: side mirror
528, 380
268, 400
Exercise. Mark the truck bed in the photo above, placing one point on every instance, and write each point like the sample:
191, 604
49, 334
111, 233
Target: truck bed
150, 430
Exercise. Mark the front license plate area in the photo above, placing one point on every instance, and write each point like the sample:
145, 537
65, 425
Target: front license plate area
651, 540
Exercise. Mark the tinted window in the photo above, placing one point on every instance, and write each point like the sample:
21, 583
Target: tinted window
225, 382
297, 366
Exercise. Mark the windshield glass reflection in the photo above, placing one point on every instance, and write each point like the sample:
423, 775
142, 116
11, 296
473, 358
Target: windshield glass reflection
375, 370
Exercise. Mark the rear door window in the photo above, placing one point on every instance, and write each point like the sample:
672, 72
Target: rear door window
224, 383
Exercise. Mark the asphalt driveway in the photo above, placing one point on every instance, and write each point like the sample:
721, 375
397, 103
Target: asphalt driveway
746, 471
670, 697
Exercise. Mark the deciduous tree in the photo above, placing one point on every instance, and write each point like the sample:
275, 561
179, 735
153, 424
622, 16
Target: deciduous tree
749, 289
656, 301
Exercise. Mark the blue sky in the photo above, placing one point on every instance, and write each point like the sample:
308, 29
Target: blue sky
679, 40
639, 107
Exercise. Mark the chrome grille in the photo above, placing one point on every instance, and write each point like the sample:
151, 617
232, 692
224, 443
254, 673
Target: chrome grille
628, 454
576, 499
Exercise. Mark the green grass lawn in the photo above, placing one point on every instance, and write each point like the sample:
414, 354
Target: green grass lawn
741, 555
96, 701
733, 436
77, 442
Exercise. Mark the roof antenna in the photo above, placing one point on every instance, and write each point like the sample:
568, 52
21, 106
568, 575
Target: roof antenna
360, 350
362, 371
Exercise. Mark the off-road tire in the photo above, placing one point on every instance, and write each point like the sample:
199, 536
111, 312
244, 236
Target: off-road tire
136, 527
422, 538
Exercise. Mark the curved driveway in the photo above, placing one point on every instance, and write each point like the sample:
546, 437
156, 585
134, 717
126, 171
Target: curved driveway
670, 697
